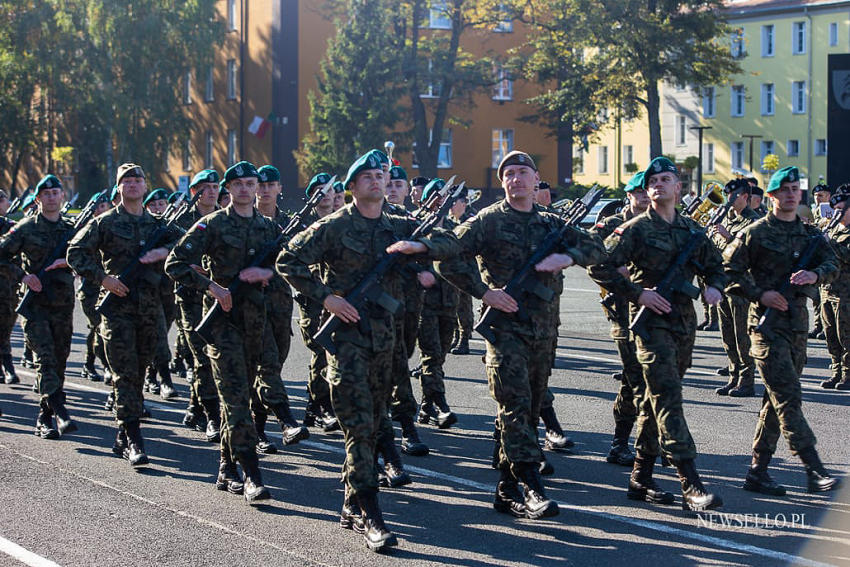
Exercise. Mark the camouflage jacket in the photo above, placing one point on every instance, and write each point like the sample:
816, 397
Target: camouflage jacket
618, 312
839, 288
762, 257
442, 296
501, 239
734, 223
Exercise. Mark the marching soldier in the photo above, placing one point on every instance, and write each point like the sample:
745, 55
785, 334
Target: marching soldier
228, 239
417, 185
759, 261
460, 342
100, 252
7, 302
501, 238
49, 325
835, 297
733, 308
756, 197
648, 244
630, 396
339, 196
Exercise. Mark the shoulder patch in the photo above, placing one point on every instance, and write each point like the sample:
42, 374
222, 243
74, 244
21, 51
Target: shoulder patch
201, 225
618, 230
315, 226
600, 224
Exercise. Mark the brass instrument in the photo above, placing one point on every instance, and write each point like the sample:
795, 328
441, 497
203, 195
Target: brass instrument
389, 146
472, 195
561, 204
712, 197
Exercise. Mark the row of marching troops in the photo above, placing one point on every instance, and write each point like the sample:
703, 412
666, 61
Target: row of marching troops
358, 271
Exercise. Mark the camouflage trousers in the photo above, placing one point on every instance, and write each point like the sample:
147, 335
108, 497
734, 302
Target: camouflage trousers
48, 334
464, 314
736, 339
268, 390
412, 310
309, 323
129, 337
836, 325
664, 358
780, 363
436, 330
235, 356
816, 304
518, 369
7, 321
360, 382
189, 314
401, 401
94, 342
632, 387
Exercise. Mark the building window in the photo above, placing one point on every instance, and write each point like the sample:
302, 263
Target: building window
708, 99
708, 162
505, 24
798, 97
231, 15
767, 99
738, 100
501, 143
766, 149
798, 38
231, 147
793, 148
578, 160
737, 151
738, 43
208, 150
209, 92
628, 155
187, 88
833, 34
603, 159
444, 158
767, 46
231, 79
434, 88
681, 130
820, 147
504, 87
439, 16
187, 155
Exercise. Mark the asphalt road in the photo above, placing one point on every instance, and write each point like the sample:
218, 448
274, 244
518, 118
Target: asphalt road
71, 502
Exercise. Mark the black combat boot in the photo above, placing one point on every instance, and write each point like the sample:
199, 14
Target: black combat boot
90, 370
107, 376
724, 371
292, 431
394, 473
27, 360
556, 439
212, 408
253, 487
509, 498
44, 423
834, 380
410, 442
545, 468
758, 480
445, 416
120, 444
109, 404
9, 374
462, 346
228, 475
536, 504
427, 412
844, 385
167, 390
819, 480
325, 415
729, 386
694, 495
151, 385
745, 387
194, 418
620, 454
177, 366
641, 484
135, 450
56, 401
264, 446
375, 532
497, 446
311, 413
350, 517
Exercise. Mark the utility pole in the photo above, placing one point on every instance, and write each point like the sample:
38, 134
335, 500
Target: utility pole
699, 130
751, 137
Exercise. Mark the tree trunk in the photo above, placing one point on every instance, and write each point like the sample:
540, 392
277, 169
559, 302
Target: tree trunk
653, 103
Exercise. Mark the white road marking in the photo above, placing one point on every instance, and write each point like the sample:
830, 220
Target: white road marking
24, 555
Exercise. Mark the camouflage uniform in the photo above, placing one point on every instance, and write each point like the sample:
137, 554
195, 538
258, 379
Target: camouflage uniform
519, 362
436, 329
733, 310
49, 329
87, 295
229, 242
835, 309
648, 244
106, 246
8, 298
760, 259
347, 245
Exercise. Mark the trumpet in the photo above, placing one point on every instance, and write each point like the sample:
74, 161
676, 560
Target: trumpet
711, 198
472, 195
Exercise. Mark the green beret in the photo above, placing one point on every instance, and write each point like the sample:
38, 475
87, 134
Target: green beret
789, 174
239, 171
434, 185
49, 181
364, 163
94, 198
635, 182
515, 158
338, 188
28, 201
318, 180
205, 176
659, 165
840, 195
113, 193
381, 157
821, 187
223, 192
176, 195
268, 174
398, 172
157, 194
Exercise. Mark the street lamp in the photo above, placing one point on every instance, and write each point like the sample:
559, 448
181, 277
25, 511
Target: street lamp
751, 137
700, 130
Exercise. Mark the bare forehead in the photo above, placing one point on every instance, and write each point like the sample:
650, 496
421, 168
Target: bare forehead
516, 169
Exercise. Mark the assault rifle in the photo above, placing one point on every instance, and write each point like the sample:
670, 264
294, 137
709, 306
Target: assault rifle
70, 203
766, 320
525, 282
151, 243
19, 200
292, 227
435, 200
24, 308
369, 289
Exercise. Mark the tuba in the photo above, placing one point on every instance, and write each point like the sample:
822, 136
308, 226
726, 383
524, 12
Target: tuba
389, 146
711, 198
